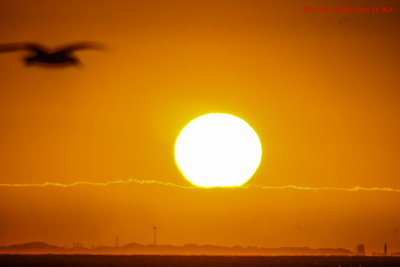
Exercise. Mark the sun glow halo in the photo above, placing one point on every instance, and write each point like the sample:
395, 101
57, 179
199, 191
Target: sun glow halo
218, 149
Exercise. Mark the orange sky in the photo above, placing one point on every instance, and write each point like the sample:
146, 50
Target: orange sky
321, 90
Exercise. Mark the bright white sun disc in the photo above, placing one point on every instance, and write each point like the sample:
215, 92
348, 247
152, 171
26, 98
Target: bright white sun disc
218, 150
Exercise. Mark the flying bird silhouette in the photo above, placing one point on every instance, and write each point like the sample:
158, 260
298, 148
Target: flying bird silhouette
61, 56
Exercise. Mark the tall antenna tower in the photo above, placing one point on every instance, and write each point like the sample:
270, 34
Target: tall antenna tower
155, 235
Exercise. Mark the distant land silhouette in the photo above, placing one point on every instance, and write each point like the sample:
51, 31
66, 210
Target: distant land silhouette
188, 249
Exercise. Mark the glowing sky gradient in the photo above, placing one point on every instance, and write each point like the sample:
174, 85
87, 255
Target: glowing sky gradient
87, 154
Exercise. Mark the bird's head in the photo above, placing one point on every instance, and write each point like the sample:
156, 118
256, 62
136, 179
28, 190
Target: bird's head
29, 61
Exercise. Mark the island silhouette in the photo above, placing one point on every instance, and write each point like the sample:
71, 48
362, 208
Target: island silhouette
40, 247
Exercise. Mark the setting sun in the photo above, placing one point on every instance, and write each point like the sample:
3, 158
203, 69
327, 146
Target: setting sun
218, 150
136, 132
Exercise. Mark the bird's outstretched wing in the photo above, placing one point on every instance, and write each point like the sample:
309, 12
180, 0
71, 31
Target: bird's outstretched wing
79, 46
11, 47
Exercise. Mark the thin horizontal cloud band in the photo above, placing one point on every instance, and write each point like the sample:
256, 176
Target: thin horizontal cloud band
137, 181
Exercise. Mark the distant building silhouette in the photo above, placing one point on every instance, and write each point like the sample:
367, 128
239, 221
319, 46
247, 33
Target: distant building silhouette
77, 245
117, 241
361, 250
155, 235
385, 250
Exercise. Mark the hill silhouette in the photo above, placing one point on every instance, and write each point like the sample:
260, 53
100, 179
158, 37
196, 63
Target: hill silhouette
31, 246
188, 249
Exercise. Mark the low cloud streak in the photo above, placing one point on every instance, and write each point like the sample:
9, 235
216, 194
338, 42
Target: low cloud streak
143, 182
